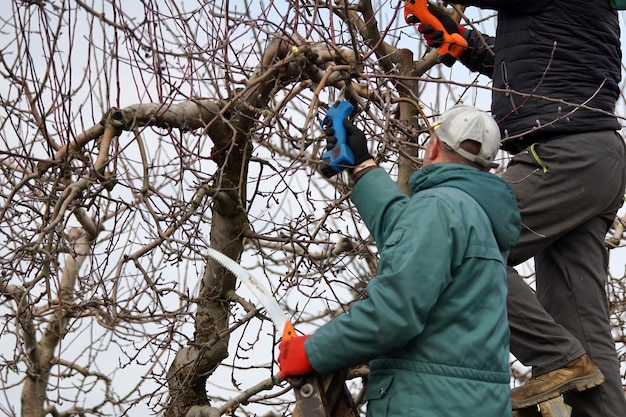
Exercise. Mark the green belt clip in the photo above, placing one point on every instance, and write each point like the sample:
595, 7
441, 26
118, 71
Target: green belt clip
538, 160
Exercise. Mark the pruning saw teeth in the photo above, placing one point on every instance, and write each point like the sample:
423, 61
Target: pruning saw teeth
273, 309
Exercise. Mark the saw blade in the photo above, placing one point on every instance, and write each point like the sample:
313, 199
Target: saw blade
265, 297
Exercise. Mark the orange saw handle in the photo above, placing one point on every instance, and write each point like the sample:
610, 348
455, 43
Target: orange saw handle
288, 332
453, 43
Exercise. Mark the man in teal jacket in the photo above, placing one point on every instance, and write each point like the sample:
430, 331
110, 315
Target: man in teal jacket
434, 325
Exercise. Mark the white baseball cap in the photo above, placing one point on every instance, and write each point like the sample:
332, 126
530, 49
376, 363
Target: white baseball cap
461, 123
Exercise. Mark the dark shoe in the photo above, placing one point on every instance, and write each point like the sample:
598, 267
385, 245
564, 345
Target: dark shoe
578, 375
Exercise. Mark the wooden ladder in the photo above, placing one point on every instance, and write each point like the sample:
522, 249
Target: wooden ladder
551, 408
327, 396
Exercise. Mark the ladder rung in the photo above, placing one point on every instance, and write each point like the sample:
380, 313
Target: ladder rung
555, 408
551, 408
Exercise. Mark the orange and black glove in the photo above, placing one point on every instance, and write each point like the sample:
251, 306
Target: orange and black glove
434, 38
292, 358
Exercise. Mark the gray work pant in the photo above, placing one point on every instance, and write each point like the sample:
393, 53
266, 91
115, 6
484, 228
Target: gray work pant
568, 190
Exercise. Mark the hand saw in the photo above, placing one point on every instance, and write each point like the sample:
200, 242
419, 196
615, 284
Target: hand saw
272, 308
309, 390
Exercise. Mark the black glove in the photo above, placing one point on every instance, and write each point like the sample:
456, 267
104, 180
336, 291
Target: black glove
434, 38
355, 139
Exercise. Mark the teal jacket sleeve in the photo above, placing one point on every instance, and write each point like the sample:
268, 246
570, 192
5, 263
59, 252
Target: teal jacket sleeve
380, 203
414, 269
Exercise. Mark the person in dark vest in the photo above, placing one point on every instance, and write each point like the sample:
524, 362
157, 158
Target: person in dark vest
556, 68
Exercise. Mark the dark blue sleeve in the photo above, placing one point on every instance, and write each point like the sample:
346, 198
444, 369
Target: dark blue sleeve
479, 55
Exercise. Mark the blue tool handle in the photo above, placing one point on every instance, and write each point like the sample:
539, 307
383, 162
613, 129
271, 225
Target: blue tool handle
340, 157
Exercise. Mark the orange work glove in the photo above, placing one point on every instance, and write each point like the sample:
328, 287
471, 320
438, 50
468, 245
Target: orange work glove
292, 358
